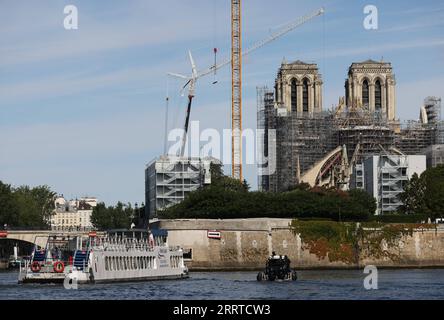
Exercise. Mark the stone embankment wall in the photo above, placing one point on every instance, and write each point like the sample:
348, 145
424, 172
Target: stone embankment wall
245, 244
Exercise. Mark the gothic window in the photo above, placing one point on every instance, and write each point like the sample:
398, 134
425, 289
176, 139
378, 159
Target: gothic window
294, 95
378, 99
305, 96
365, 93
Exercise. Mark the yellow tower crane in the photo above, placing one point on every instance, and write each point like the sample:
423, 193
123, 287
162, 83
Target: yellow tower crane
236, 90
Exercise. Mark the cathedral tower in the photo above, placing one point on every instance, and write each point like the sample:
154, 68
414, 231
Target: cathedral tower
371, 86
298, 88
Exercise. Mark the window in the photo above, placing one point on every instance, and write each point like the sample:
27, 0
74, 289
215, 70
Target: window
294, 95
378, 99
305, 96
365, 93
404, 172
188, 254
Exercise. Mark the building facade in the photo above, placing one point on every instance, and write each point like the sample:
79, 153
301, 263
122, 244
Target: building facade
308, 144
385, 176
169, 179
73, 214
371, 85
298, 87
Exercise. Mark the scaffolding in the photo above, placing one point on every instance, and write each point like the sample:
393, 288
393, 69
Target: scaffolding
303, 139
391, 179
265, 100
416, 136
432, 107
169, 179
370, 130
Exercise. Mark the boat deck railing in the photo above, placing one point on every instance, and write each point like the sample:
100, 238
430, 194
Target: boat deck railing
46, 266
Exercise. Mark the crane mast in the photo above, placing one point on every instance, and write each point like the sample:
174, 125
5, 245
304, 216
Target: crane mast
236, 79
236, 90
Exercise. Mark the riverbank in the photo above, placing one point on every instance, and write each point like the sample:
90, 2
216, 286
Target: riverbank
245, 244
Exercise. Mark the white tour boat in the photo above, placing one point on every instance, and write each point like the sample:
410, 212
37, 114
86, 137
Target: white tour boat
127, 255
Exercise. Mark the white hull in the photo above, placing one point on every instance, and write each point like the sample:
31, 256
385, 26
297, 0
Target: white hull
131, 264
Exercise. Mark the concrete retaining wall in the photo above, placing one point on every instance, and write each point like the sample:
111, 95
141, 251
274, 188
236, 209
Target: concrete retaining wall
245, 244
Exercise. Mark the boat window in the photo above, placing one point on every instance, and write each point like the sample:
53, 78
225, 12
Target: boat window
107, 263
188, 254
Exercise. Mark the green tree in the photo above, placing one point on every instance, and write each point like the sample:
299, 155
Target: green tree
112, 217
413, 197
34, 205
8, 209
424, 195
433, 179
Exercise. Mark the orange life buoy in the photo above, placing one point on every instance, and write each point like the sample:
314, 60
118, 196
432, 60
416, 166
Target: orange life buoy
35, 266
59, 267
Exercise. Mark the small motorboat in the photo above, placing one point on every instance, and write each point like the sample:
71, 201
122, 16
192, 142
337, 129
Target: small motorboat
277, 268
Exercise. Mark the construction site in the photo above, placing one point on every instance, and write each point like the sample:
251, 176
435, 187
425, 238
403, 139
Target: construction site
333, 148
303, 143
167, 179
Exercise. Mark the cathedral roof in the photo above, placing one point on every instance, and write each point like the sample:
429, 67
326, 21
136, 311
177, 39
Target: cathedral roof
371, 61
299, 62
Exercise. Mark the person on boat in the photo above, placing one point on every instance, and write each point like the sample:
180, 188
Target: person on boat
274, 255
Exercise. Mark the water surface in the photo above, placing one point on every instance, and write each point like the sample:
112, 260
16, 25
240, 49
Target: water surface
311, 284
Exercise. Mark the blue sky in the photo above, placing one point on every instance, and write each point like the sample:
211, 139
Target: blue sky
83, 110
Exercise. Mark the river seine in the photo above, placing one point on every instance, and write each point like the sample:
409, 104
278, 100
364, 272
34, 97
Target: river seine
311, 284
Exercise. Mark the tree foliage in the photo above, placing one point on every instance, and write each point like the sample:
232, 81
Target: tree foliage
229, 198
25, 206
112, 217
424, 195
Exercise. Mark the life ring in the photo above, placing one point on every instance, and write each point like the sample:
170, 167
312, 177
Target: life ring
35, 266
59, 266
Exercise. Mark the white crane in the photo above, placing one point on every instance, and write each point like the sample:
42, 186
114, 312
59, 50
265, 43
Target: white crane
195, 75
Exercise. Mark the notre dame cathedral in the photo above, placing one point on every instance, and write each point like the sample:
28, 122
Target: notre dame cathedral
362, 124
370, 86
